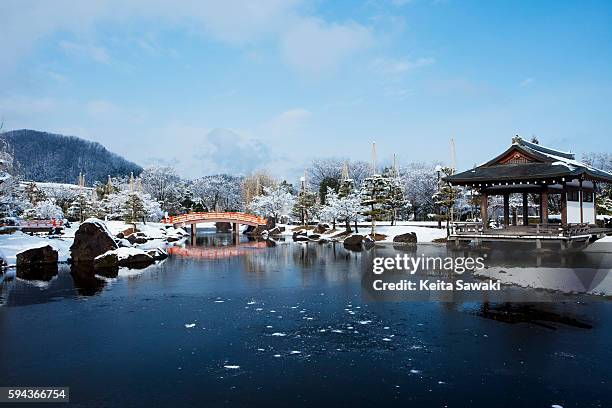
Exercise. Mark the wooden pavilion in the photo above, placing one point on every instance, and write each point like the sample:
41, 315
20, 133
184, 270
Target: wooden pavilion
528, 168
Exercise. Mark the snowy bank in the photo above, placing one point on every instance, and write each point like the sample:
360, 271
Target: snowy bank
12, 244
424, 234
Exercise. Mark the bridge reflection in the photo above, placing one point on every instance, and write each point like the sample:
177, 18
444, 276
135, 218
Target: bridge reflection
218, 252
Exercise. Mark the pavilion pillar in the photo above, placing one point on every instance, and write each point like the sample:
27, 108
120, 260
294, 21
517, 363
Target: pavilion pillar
594, 203
484, 209
193, 232
580, 198
544, 206
506, 209
525, 210
564, 207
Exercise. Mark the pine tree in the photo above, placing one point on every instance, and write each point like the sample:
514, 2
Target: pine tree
306, 206
446, 196
134, 209
396, 200
82, 207
34, 194
376, 193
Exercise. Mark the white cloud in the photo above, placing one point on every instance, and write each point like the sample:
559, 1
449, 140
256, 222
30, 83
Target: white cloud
398, 67
96, 53
286, 124
308, 43
313, 46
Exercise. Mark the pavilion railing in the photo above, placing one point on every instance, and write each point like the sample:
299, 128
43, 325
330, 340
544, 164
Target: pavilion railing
477, 228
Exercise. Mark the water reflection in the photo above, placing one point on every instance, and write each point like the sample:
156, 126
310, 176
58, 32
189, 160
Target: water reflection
42, 273
193, 266
536, 314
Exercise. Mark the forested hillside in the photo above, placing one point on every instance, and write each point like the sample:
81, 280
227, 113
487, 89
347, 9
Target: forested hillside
42, 156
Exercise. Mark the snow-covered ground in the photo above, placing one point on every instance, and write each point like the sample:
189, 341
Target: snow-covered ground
567, 280
12, 244
425, 234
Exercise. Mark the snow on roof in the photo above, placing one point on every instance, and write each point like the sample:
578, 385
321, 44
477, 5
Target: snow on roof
572, 164
546, 150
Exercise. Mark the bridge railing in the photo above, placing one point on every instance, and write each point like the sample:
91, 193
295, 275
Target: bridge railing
52, 223
213, 215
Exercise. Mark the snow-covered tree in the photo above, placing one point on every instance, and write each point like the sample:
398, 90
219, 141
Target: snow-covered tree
396, 202
329, 210
375, 195
342, 208
133, 208
163, 185
446, 196
46, 210
254, 185
12, 200
306, 206
82, 207
34, 194
274, 202
220, 192
420, 185
328, 172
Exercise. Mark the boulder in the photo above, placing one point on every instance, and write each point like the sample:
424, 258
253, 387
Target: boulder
258, 230
275, 231
158, 254
407, 238
300, 232
37, 263
323, 241
282, 229
249, 230
137, 238
321, 228
353, 241
172, 238
300, 238
90, 240
37, 257
133, 256
123, 243
368, 242
314, 237
120, 235
106, 260
128, 231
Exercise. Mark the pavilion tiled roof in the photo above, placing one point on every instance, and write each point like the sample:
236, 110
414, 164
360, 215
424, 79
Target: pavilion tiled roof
539, 164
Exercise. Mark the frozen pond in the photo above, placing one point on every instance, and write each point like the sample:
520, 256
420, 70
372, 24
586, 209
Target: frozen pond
219, 325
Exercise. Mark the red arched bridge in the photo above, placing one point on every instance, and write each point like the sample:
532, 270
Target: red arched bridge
235, 218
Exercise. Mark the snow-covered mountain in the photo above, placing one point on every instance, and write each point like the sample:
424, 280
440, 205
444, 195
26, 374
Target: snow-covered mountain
42, 156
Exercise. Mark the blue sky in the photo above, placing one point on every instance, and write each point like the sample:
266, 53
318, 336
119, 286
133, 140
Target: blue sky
232, 86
